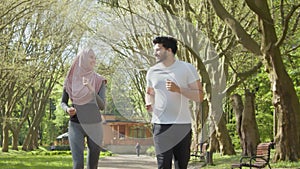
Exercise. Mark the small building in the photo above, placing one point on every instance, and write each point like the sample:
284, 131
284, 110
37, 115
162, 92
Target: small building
62, 139
121, 135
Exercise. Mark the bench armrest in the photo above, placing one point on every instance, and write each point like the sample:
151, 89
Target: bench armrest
244, 158
258, 157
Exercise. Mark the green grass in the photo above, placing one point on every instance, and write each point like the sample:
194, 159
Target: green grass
38, 159
225, 161
43, 159
29, 160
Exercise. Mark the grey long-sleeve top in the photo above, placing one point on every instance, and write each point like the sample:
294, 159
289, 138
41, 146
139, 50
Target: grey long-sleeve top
100, 98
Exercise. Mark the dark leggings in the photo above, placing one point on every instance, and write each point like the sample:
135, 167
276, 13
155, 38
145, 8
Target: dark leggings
77, 134
172, 141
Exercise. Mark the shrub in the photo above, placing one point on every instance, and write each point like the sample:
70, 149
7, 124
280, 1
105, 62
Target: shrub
60, 148
150, 151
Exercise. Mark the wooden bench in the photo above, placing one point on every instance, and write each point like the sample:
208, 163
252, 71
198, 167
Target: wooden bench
260, 160
200, 152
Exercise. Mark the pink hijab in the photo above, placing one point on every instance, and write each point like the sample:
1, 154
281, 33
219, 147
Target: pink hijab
81, 67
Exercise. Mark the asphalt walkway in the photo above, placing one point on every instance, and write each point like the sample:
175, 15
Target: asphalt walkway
125, 161
122, 161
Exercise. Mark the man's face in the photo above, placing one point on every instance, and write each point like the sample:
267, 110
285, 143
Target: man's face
160, 53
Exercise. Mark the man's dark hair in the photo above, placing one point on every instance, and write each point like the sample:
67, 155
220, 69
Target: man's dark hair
167, 42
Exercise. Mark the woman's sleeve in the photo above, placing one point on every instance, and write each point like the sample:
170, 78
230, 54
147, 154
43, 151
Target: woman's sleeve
100, 97
64, 100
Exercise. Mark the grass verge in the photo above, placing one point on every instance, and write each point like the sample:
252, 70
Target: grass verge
225, 161
38, 159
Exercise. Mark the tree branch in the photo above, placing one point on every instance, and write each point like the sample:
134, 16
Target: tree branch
242, 76
243, 37
286, 24
263, 14
295, 26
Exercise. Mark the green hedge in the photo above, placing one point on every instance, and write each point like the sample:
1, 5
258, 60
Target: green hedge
60, 148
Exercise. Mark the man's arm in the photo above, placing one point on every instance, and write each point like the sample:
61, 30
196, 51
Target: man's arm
193, 92
149, 98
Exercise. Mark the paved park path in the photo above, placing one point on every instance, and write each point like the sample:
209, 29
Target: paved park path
122, 161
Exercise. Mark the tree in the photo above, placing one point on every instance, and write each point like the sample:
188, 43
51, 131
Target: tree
177, 21
240, 21
246, 123
38, 39
285, 99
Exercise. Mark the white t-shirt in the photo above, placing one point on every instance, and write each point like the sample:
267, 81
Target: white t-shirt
171, 107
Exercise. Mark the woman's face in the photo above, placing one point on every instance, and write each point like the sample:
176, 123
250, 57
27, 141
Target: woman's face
92, 59
87, 60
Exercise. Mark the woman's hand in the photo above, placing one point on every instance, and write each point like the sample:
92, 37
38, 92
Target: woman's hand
86, 83
71, 111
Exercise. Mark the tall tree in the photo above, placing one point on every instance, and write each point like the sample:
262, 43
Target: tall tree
285, 100
196, 49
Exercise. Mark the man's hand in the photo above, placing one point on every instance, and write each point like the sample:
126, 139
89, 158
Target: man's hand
194, 90
172, 86
149, 108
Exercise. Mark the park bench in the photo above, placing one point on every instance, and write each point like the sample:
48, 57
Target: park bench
201, 152
260, 160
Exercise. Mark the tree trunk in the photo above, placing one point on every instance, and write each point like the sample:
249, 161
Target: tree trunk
238, 107
30, 140
287, 110
285, 102
250, 134
30, 145
285, 99
196, 116
27, 140
15, 140
226, 146
5, 134
36, 143
213, 147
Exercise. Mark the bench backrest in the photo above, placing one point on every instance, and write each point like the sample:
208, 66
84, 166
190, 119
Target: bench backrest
204, 147
264, 150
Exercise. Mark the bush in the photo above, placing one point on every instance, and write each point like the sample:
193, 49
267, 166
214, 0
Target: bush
150, 151
60, 152
60, 148
105, 153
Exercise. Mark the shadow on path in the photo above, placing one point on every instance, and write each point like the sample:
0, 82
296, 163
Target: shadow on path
121, 161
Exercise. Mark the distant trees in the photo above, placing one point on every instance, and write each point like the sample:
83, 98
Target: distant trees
37, 38
242, 41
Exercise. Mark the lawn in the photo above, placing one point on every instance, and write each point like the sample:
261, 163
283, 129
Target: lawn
225, 161
33, 160
44, 159
39, 159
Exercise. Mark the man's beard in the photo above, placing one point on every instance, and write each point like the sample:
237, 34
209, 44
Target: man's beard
162, 58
